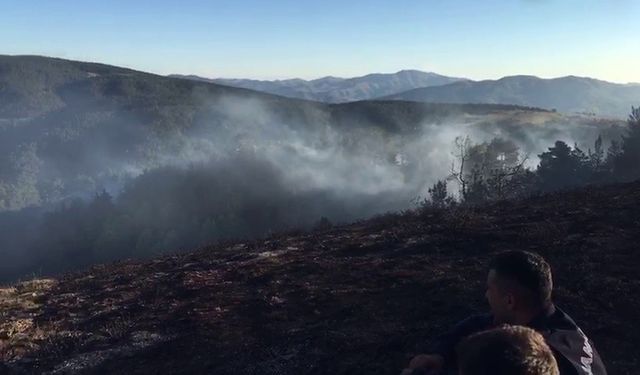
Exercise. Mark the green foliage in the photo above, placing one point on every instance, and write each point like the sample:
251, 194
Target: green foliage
563, 167
627, 164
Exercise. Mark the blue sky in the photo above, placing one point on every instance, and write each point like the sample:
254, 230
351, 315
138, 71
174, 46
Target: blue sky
267, 39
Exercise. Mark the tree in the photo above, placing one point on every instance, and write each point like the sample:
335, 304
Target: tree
439, 195
505, 182
596, 158
562, 167
461, 154
582, 165
489, 170
477, 187
613, 153
627, 163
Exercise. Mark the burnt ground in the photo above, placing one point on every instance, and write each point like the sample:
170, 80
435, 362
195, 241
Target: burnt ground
355, 299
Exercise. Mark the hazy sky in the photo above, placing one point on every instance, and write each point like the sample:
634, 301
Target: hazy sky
479, 39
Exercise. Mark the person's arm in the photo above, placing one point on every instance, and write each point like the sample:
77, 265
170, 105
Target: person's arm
445, 346
425, 364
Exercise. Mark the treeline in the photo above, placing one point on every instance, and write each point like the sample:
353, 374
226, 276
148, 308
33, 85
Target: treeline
167, 210
497, 170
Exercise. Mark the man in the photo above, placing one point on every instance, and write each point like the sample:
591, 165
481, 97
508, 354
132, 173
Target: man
506, 350
519, 288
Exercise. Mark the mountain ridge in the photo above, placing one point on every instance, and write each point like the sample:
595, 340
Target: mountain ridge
568, 94
335, 89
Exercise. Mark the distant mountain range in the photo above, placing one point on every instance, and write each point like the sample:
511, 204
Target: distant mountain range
566, 94
339, 90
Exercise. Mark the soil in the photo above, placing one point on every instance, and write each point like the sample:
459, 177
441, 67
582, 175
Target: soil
355, 299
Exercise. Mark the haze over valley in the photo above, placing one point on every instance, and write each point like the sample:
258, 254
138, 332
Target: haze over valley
71, 130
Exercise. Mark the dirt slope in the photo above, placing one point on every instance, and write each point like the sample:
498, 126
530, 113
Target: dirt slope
357, 299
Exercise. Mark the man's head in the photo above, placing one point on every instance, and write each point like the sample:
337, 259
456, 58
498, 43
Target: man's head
507, 350
519, 285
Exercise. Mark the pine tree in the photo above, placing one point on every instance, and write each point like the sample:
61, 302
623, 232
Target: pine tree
561, 167
627, 165
439, 195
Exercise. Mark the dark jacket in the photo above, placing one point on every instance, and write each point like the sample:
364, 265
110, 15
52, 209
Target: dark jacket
574, 352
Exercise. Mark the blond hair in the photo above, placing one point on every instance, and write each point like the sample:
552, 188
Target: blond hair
506, 350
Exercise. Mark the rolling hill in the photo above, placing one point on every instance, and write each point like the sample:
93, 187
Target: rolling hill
339, 90
566, 94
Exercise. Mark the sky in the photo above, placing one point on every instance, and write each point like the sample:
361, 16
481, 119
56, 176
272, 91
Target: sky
278, 39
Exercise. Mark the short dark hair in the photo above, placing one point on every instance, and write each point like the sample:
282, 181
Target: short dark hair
506, 350
528, 270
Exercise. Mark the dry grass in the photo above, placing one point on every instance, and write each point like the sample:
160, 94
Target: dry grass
350, 299
19, 304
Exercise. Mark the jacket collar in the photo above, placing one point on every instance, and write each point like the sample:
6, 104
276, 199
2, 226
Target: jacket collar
539, 323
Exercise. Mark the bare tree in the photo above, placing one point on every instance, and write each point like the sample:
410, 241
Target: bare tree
461, 154
487, 171
502, 181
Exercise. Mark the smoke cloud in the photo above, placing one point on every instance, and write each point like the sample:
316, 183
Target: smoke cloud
237, 167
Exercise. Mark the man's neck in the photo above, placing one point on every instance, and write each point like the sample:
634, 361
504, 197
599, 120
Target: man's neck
526, 318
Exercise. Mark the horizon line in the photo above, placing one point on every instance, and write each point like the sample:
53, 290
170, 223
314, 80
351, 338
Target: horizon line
282, 78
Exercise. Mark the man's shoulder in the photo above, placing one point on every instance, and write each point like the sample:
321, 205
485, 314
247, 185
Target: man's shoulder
446, 343
476, 322
479, 318
561, 320
554, 319
564, 336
